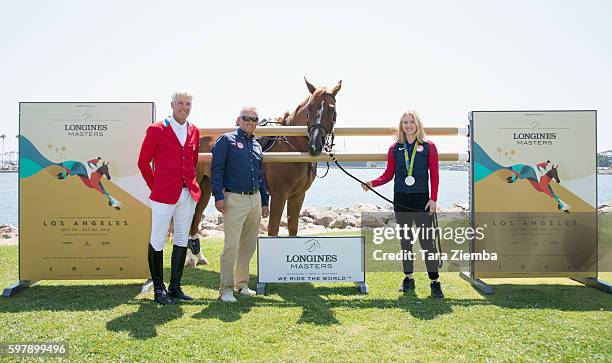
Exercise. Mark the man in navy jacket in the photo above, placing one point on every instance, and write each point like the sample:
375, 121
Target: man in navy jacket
239, 188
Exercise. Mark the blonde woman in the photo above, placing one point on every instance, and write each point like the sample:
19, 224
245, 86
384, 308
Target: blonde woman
413, 163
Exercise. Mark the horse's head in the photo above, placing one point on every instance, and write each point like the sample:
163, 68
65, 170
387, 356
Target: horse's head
553, 174
320, 117
104, 170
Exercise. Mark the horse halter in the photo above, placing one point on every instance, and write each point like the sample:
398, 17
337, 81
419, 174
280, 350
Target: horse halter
327, 134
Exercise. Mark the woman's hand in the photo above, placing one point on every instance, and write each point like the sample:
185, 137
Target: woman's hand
366, 185
431, 206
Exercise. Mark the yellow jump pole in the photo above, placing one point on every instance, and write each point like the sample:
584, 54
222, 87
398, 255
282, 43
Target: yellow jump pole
297, 157
338, 131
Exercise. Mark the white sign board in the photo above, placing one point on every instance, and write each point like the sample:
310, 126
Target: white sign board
311, 259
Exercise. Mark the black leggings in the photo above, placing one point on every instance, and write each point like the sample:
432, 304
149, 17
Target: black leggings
415, 202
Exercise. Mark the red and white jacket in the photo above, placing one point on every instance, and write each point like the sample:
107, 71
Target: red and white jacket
174, 163
425, 169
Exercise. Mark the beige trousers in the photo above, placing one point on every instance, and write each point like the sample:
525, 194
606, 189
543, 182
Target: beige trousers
241, 220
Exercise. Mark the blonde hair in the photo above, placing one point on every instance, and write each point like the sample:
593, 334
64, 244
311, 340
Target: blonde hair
400, 136
178, 95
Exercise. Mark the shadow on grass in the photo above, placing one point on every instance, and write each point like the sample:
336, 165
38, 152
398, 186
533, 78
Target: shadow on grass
70, 298
557, 297
318, 303
315, 302
142, 324
227, 312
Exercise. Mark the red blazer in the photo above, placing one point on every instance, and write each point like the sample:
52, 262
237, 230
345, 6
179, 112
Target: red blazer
174, 164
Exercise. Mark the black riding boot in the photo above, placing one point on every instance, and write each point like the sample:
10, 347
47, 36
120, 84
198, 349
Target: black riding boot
436, 290
176, 273
156, 267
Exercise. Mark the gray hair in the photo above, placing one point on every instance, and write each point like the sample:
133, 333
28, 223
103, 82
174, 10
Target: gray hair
247, 108
179, 95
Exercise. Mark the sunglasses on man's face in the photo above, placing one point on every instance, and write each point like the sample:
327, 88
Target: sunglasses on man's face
249, 118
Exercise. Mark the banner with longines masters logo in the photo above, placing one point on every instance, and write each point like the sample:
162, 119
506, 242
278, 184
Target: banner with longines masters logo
83, 211
534, 189
310, 259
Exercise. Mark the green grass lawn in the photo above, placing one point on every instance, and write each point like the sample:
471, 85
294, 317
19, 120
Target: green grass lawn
525, 320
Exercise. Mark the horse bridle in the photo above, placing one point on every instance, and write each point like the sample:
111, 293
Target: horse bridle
327, 134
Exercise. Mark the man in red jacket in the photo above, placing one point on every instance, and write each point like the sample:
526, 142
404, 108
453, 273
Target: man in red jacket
173, 146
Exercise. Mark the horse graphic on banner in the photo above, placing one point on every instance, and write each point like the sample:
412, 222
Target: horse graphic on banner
536, 177
32, 162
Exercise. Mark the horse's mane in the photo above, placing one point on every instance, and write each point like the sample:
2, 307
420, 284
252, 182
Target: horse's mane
287, 115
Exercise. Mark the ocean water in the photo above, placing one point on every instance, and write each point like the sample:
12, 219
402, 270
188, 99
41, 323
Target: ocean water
335, 190
8, 198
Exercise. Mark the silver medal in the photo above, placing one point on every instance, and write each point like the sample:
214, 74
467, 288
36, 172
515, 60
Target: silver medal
409, 180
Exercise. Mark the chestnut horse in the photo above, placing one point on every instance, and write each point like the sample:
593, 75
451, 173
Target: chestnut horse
287, 182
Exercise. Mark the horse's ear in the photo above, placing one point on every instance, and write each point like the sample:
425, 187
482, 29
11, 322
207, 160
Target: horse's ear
335, 90
311, 88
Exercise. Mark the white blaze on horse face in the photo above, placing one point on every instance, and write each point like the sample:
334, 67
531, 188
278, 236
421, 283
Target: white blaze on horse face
320, 113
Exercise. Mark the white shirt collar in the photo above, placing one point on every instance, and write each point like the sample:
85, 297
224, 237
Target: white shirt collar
176, 124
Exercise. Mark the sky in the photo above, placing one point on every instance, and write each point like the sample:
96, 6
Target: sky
440, 58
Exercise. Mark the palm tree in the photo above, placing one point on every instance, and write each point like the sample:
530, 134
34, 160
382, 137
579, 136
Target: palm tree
3, 136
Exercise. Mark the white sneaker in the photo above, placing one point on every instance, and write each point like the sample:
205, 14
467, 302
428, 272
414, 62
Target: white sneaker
228, 297
246, 292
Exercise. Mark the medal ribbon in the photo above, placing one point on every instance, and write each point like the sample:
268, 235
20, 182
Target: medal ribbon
416, 144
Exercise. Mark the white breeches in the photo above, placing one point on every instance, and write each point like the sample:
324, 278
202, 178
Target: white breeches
161, 216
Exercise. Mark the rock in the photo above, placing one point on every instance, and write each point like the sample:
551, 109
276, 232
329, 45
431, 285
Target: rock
306, 220
364, 207
207, 225
310, 212
379, 219
341, 211
218, 228
7, 228
343, 221
6, 236
465, 207
605, 207
263, 227
325, 218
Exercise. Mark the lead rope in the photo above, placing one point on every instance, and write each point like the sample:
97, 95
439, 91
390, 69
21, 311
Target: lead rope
436, 245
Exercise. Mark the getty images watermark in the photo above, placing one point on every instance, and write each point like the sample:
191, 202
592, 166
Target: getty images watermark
417, 241
495, 242
459, 235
